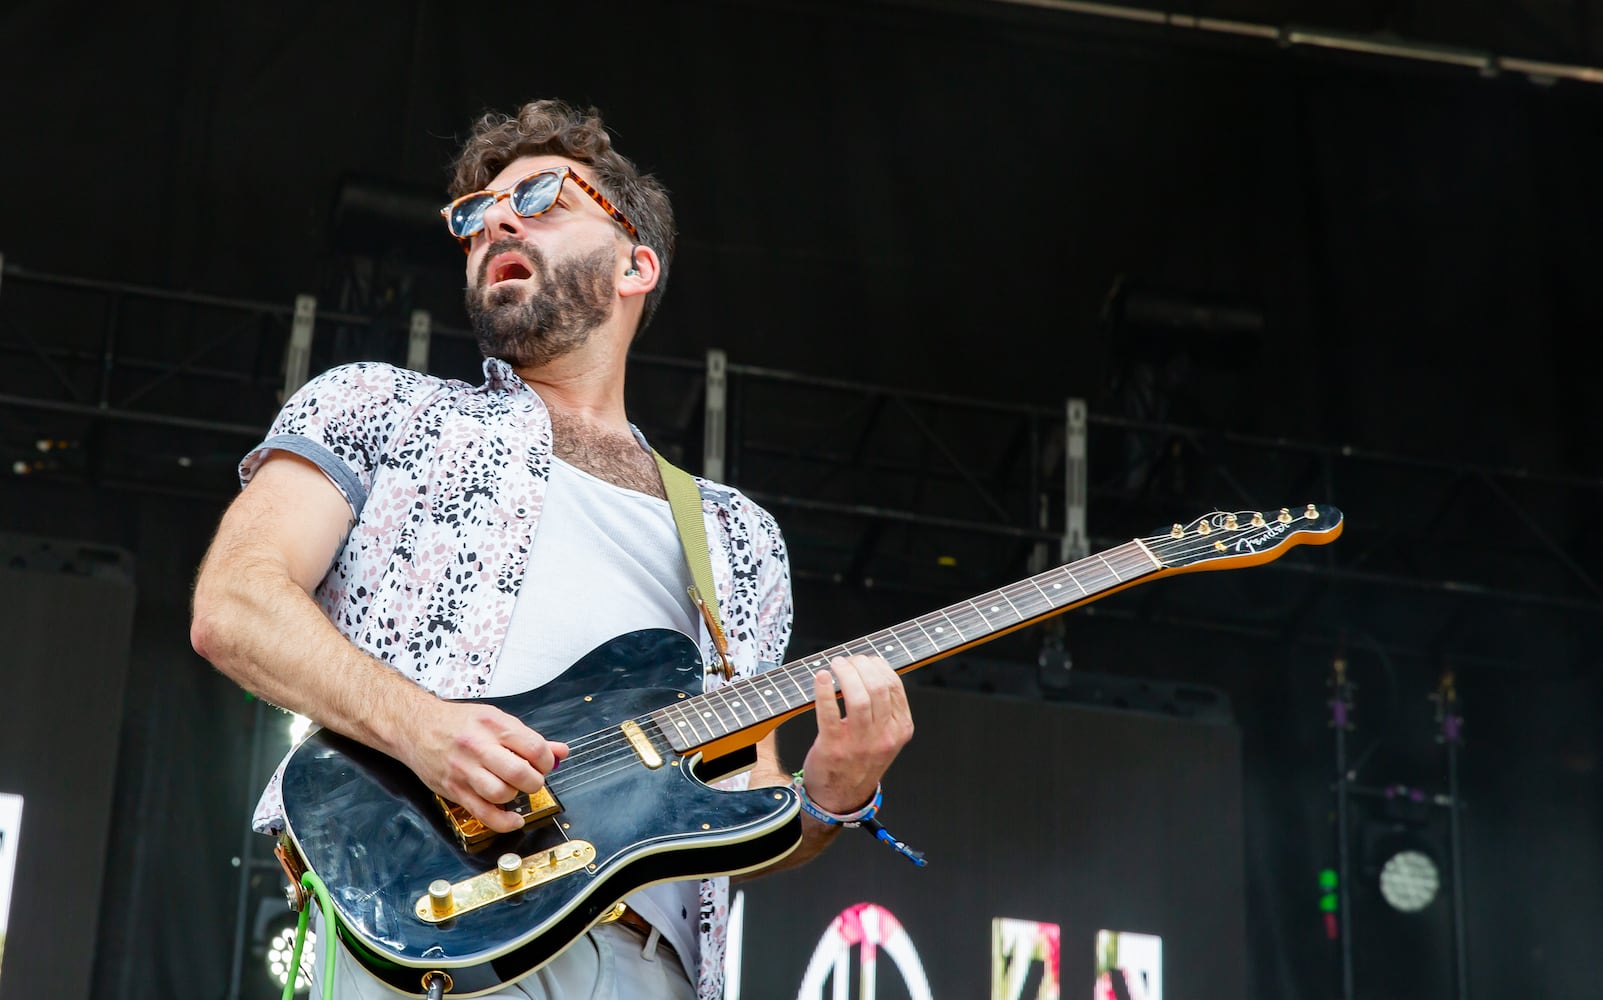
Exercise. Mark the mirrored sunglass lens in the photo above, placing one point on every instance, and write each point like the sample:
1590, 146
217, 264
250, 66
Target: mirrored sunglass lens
536, 194
468, 216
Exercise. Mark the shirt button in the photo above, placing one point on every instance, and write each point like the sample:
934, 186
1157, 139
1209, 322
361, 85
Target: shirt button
522, 512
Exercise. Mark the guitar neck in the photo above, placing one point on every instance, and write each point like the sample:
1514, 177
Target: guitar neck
755, 703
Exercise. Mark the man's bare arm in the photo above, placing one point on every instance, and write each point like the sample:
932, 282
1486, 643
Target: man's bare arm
255, 620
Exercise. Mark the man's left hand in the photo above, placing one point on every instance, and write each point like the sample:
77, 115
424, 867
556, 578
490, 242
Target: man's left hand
863, 722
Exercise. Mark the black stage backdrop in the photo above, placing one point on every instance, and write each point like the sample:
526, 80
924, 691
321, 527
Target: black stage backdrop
1087, 819
929, 196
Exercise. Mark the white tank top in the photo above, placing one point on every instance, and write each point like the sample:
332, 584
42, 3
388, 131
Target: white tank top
604, 561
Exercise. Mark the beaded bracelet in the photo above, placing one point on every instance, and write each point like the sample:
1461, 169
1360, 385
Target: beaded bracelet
823, 815
863, 817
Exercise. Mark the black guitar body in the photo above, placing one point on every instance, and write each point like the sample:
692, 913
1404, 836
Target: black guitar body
377, 837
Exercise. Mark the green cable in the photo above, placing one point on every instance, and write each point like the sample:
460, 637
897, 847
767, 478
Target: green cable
312, 882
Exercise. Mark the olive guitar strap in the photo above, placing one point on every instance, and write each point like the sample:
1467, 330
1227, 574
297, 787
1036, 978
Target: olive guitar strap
684, 498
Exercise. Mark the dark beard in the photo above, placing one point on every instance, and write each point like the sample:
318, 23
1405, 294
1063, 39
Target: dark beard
568, 303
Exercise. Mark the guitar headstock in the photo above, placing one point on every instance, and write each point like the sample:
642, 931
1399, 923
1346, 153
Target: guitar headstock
1224, 540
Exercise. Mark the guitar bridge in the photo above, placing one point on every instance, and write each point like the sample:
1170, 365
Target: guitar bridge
474, 835
512, 875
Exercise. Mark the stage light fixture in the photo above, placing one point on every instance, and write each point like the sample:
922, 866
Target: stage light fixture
282, 950
1409, 880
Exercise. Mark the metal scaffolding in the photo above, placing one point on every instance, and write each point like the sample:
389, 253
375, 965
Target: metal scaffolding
123, 387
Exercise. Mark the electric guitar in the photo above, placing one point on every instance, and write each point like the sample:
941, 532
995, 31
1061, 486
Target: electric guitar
421, 889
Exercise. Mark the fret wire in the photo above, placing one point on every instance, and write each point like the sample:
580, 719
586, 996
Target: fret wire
1110, 567
1143, 554
1130, 554
668, 714
1009, 600
847, 650
975, 617
1022, 591
871, 642
801, 692
1042, 590
887, 649
995, 609
710, 712
1098, 572
687, 724
902, 632
1095, 580
762, 681
927, 637
733, 705
986, 622
882, 648
730, 707
955, 627
697, 718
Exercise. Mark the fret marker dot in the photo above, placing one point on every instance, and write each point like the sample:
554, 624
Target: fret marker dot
940, 628
996, 607
889, 648
706, 715
1057, 586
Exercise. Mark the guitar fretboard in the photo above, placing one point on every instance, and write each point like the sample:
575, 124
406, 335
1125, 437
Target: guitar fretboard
750, 701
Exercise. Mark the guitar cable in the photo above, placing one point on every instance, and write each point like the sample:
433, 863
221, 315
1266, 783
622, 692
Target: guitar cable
315, 884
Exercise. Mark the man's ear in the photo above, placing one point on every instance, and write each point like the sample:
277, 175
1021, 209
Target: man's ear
641, 273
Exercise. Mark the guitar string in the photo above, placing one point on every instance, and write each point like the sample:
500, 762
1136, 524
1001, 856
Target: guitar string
615, 748
1129, 559
617, 755
618, 748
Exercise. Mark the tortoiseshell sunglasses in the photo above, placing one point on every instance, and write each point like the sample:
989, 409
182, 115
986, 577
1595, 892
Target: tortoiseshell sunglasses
533, 195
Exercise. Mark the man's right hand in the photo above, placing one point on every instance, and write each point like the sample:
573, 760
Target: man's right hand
255, 620
480, 757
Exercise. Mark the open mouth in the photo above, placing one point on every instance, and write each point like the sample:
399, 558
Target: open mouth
509, 267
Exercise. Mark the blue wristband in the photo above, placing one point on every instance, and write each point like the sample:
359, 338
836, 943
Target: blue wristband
823, 815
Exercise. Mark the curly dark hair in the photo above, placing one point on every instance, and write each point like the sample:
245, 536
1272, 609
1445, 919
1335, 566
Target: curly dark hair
556, 128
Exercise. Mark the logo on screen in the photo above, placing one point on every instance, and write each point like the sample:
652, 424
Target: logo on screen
1128, 966
1024, 959
865, 930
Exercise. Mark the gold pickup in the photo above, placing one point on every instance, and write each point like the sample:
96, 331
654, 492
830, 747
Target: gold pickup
642, 746
511, 875
473, 835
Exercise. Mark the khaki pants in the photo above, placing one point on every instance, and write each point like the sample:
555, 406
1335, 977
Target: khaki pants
611, 962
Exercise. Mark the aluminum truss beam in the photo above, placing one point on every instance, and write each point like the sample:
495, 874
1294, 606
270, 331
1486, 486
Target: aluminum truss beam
880, 487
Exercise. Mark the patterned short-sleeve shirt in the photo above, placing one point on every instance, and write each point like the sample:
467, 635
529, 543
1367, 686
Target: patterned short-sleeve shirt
446, 481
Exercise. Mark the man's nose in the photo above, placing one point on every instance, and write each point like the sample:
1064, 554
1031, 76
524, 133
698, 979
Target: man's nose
500, 221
